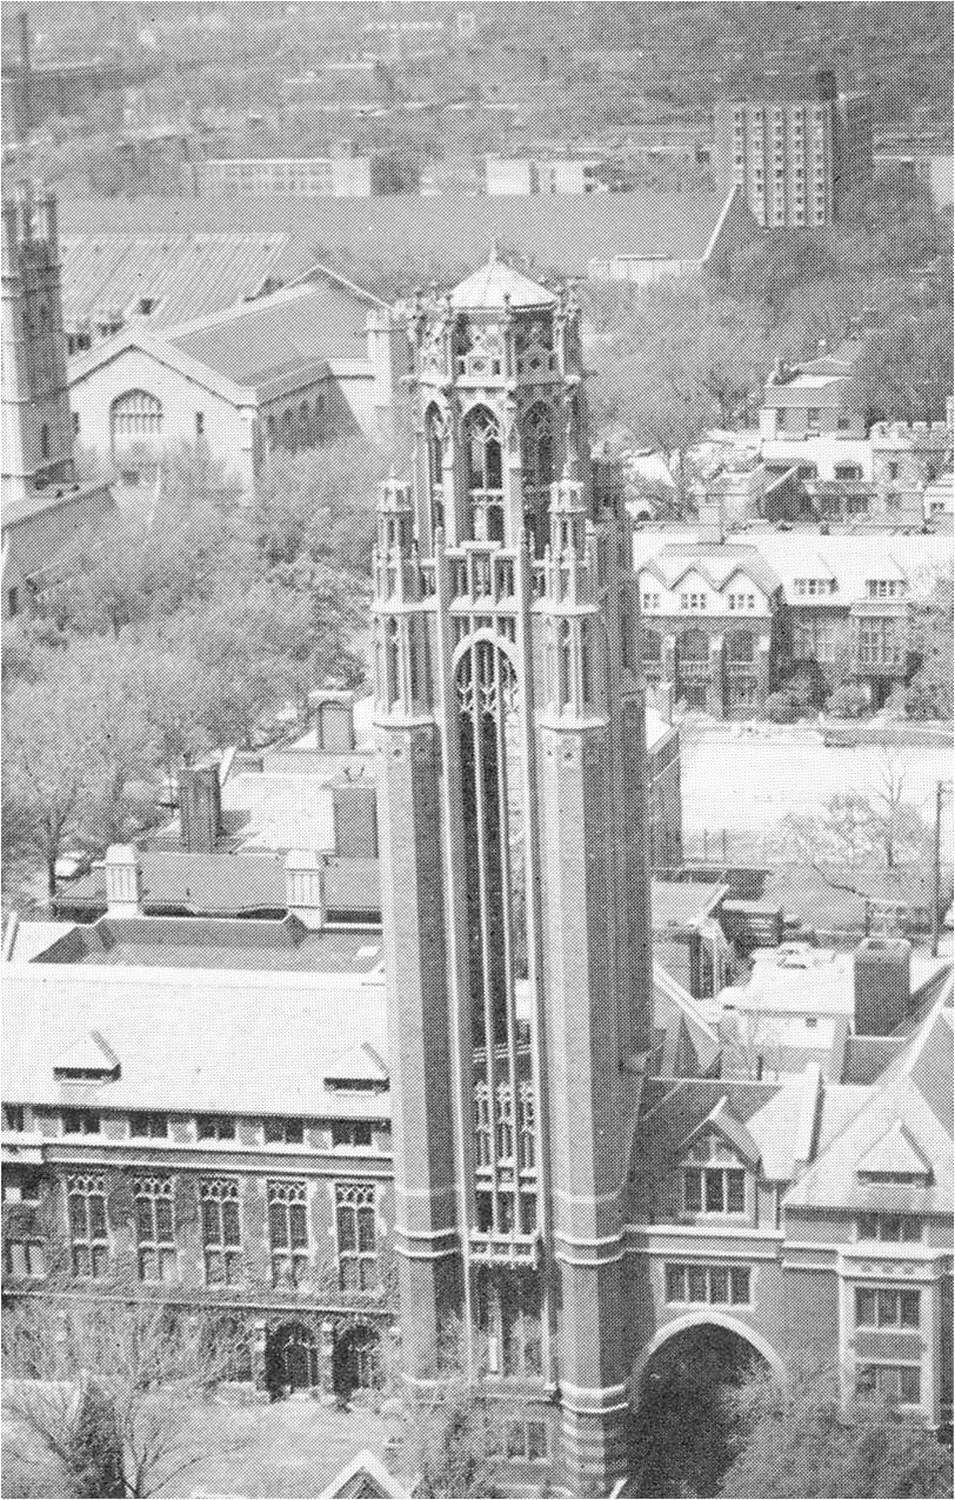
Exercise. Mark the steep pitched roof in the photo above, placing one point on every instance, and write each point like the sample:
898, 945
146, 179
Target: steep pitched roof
314, 321
497, 285
722, 1119
914, 1096
180, 274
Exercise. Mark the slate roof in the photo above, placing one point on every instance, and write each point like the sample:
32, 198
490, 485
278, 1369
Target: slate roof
552, 231
317, 321
185, 273
914, 1096
716, 564
237, 1042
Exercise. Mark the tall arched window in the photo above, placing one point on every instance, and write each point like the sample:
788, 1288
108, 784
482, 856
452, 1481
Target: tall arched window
305, 426
44, 441
288, 433
433, 435
136, 416
537, 469
482, 445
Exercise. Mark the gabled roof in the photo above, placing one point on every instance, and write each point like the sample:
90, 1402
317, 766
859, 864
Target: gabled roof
734, 1132
180, 274
716, 564
916, 1094
365, 1478
315, 321
237, 1041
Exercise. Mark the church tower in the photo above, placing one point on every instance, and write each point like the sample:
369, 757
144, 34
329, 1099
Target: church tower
37, 426
510, 725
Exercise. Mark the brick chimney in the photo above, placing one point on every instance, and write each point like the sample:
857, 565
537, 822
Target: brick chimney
882, 985
305, 887
200, 808
334, 720
712, 529
124, 882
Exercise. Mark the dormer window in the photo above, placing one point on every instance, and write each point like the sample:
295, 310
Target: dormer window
895, 1161
90, 1060
717, 1159
713, 1188
359, 1071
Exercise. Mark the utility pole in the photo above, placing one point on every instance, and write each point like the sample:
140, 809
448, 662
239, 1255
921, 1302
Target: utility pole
940, 788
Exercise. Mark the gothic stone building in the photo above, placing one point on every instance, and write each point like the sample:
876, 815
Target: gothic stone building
484, 1094
44, 505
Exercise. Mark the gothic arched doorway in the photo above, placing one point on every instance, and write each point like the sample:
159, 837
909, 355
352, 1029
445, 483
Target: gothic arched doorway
291, 1359
693, 667
355, 1362
682, 1427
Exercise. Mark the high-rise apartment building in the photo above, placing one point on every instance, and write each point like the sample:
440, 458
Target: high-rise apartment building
795, 151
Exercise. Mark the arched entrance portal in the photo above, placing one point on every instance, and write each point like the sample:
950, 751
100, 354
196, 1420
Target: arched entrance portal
355, 1363
682, 1424
291, 1360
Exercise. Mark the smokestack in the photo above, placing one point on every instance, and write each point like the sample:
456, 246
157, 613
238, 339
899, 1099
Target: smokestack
882, 985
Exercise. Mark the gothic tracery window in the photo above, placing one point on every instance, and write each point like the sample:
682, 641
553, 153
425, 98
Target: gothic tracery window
537, 469
434, 432
482, 446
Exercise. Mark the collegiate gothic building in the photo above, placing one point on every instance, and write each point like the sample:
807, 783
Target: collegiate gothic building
515, 885
486, 1116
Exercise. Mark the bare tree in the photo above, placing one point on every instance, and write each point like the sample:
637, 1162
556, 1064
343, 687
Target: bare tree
115, 1395
875, 828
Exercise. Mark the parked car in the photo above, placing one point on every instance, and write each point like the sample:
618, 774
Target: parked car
72, 864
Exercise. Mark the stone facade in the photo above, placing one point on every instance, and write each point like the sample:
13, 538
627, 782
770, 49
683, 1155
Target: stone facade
256, 1228
513, 842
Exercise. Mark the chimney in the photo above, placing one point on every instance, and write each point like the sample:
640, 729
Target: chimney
305, 887
123, 882
200, 808
334, 720
882, 985
711, 527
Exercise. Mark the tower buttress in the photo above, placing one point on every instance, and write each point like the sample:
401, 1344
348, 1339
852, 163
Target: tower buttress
510, 727
37, 425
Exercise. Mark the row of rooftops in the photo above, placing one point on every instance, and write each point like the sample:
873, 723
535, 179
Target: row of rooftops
314, 1044
776, 560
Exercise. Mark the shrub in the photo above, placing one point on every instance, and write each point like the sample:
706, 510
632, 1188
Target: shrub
848, 701
783, 707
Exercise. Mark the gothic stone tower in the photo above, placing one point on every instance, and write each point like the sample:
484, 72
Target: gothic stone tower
37, 426
511, 736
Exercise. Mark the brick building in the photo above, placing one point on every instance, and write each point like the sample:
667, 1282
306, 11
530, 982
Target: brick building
729, 615
796, 151
566, 1170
